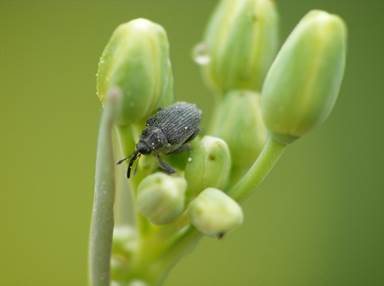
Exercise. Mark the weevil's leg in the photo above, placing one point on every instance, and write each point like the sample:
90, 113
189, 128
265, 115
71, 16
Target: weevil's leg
164, 166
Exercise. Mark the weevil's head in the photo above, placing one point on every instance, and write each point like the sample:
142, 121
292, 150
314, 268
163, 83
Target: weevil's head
143, 148
152, 139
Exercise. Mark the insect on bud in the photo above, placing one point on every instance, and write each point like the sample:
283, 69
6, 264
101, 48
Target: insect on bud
209, 165
214, 213
303, 83
136, 63
240, 42
161, 198
238, 122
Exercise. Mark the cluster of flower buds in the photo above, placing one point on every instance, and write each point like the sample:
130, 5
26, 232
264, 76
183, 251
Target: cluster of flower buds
266, 96
161, 199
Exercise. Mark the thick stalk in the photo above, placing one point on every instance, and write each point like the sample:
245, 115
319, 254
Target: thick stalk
102, 214
270, 154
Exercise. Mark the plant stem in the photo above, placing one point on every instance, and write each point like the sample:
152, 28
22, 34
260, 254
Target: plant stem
124, 196
102, 214
264, 163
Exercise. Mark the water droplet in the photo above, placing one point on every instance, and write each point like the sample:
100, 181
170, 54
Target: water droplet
189, 159
201, 55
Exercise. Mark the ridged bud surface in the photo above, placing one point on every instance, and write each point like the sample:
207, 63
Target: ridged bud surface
136, 63
303, 83
241, 42
209, 165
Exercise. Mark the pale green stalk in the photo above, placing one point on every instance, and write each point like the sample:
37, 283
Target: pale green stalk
268, 157
102, 214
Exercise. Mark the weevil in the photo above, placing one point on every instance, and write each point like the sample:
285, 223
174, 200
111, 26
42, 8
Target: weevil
167, 131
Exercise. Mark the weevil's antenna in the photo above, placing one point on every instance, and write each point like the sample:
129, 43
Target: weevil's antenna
123, 160
132, 160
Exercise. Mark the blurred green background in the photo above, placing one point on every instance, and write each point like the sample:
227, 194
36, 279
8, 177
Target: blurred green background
317, 219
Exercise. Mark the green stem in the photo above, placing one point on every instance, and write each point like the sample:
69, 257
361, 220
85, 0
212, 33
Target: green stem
102, 214
184, 240
124, 197
127, 136
270, 154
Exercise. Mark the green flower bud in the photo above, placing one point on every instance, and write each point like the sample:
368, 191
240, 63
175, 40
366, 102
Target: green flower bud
302, 85
214, 213
124, 240
240, 44
238, 121
209, 165
123, 248
161, 198
136, 63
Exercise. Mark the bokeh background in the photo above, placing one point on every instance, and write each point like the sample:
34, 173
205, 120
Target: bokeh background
316, 220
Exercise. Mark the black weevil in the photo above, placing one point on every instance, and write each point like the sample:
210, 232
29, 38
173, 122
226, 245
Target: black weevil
167, 132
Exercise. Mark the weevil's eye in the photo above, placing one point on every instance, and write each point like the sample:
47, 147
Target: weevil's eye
143, 148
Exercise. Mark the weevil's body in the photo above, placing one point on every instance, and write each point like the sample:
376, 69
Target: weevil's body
166, 132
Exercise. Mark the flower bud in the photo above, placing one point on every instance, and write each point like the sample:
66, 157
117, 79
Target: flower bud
209, 165
136, 63
241, 42
238, 121
161, 198
123, 247
302, 85
124, 240
214, 213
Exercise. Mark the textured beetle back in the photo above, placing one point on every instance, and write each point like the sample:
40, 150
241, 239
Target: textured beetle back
179, 122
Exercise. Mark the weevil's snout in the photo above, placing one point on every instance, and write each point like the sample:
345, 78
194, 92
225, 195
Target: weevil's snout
135, 156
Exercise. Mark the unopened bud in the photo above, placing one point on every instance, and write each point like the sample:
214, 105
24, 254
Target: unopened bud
124, 240
209, 165
214, 213
136, 64
161, 198
303, 83
238, 121
241, 42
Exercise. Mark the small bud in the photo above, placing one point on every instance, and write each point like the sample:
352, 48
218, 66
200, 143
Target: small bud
124, 240
209, 165
214, 213
123, 248
161, 198
238, 121
136, 64
303, 83
241, 42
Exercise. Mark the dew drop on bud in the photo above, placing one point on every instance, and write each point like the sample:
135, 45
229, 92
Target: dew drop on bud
200, 54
